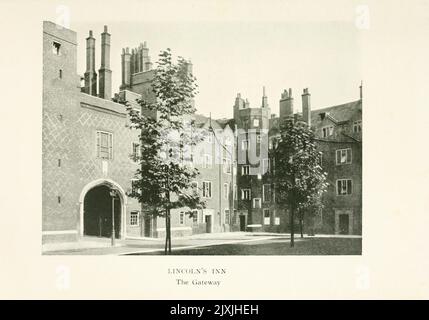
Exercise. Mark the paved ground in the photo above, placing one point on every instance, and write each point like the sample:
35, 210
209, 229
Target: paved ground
236, 243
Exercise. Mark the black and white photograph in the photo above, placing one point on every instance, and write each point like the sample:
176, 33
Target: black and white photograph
249, 143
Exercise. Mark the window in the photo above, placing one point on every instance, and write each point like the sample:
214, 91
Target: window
357, 126
245, 194
56, 46
210, 138
60, 74
344, 187
344, 156
207, 161
257, 203
265, 166
227, 216
207, 189
134, 186
182, 218
266, 192
245, 145
256, 122
194, 186
266, 216
327, 131
104, 145
226, 191
226, 166
195, 216
245, 170
136, 150
134, 218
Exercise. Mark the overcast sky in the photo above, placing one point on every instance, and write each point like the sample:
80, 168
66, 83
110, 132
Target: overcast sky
242, 55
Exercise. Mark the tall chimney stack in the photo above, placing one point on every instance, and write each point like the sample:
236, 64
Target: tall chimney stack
105, 74
90, 75
306, 107
264, 98
360, 90
126, 68
286, 104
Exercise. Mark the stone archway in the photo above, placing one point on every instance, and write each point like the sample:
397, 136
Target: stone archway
98, 190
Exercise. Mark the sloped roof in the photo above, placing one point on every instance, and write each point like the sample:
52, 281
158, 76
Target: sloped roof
339, 113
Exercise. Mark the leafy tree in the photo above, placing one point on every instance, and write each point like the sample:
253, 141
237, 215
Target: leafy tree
167, 135
300, 180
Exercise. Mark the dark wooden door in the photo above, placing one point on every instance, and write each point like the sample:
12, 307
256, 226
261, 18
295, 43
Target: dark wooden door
344, 224
242, 222
208, 224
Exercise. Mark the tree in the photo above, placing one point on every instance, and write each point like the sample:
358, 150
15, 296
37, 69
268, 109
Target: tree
300, 180
167, 135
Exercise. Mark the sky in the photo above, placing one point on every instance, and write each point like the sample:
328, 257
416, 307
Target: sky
242, 55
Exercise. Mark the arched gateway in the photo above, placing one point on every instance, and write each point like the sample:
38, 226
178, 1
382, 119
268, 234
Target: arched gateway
95, 208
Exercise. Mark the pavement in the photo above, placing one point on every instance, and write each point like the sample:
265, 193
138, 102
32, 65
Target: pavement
137, 245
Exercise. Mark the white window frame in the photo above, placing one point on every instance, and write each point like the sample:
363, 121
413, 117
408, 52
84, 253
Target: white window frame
243, 192
357, 126
344, 183
132, 185
256, 122
137, 220
225, 191
263, 192
208, 161
136, 149
329, 130
265, 166
267, 220
195, 217
194, 186
98, 134
244, 145
210, 138
259, 200
227, 221
226, 165
243, 171
339, 154
208, 183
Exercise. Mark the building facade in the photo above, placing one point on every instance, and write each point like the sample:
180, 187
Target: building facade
88, 151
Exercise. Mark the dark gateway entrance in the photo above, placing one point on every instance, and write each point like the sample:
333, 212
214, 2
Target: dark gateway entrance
97, 213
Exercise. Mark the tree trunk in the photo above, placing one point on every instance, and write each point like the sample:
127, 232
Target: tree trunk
292, 227
166, 233
169, 232
301, 223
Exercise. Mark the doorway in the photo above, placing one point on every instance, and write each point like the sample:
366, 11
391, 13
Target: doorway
97, 209
208, 221
242, 222
344, 223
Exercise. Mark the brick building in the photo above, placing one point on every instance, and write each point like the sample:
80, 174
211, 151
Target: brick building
87, 151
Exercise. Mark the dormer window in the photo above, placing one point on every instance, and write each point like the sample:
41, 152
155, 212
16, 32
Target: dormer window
327, 131
56, 46
357, 126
